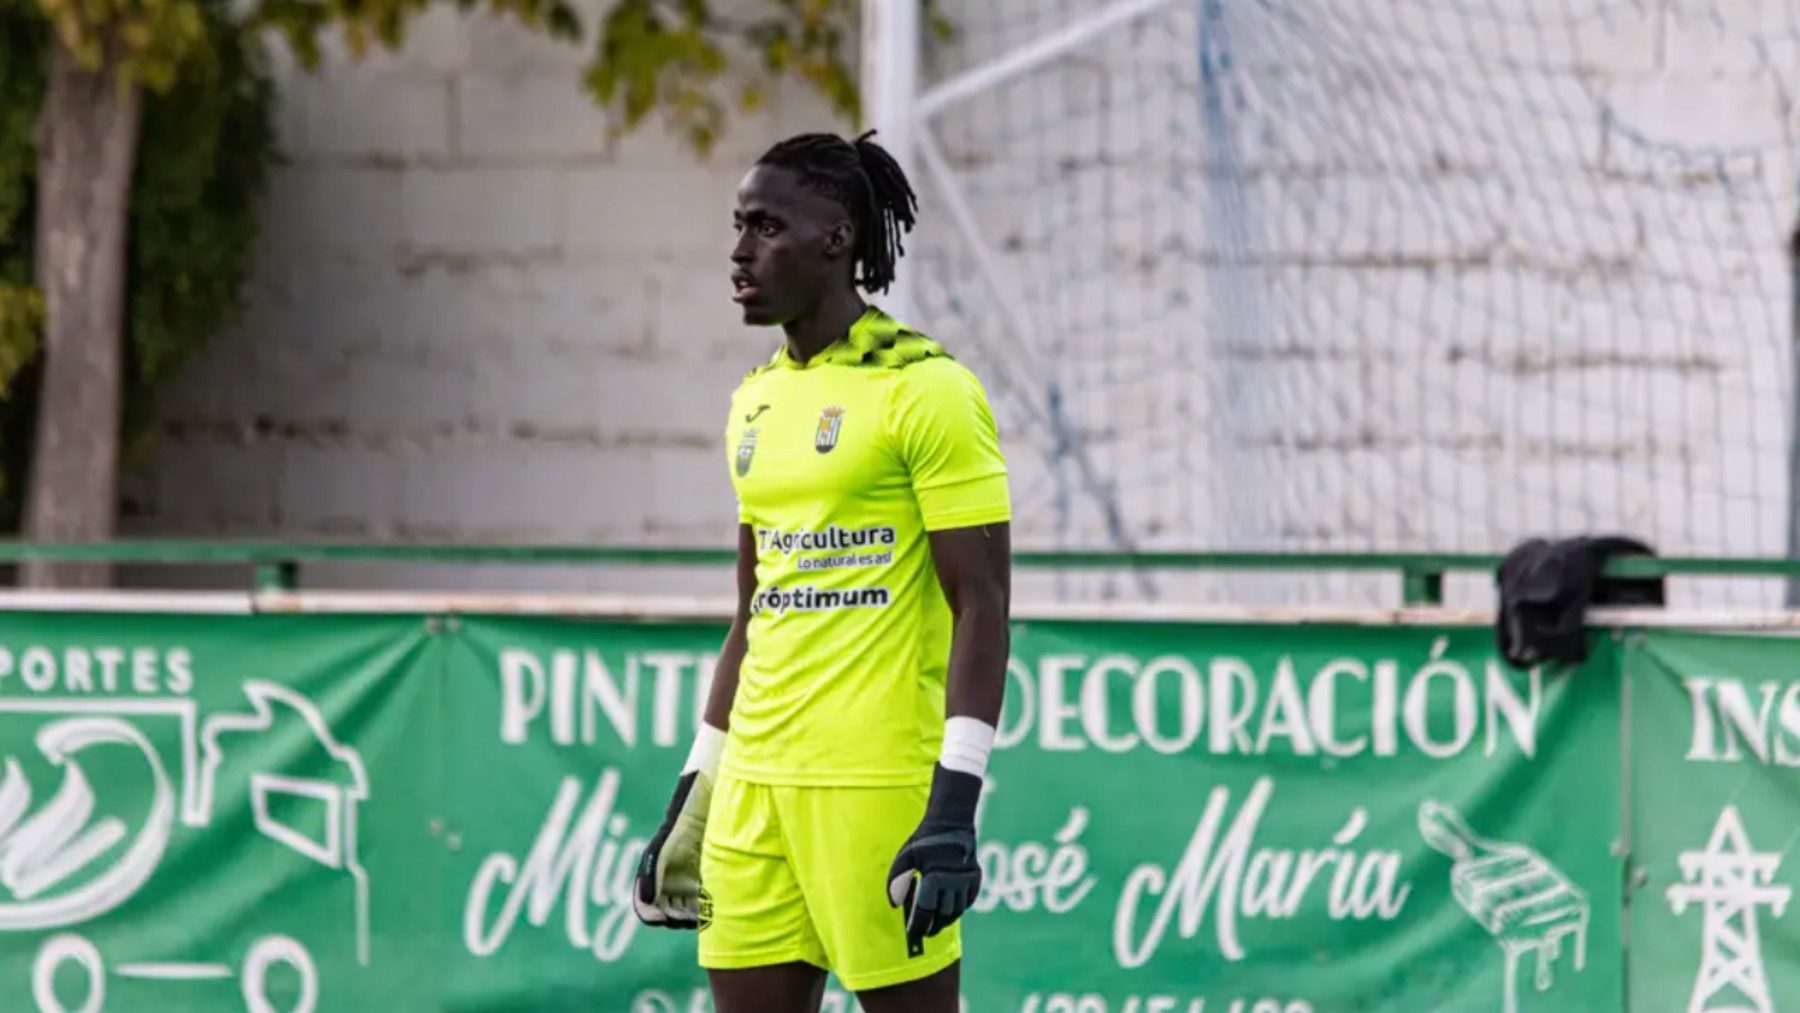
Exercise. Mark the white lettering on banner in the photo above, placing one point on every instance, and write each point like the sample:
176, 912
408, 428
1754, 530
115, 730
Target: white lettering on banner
1068, 1002
1023, 875
658, 1001
576, 698
1225, 875
1730, 726
574, 862
835, 1000
1071, 702
85, 670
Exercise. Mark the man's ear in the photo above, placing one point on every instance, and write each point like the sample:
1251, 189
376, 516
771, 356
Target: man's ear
840, 240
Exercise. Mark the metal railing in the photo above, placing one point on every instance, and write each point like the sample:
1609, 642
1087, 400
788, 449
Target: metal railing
277, 565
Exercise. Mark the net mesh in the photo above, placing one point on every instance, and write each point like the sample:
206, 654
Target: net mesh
1378, 275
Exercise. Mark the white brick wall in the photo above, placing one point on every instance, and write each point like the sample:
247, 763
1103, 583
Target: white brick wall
1427, 276
475, 318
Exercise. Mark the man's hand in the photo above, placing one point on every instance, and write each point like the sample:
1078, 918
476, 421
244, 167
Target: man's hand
668, 875
937, 875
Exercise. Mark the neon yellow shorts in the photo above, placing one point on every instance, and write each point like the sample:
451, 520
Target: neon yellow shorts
800, 874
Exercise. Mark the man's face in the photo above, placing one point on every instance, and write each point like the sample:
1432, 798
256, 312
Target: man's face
790, 247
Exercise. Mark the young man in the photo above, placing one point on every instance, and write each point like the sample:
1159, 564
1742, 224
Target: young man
825, 819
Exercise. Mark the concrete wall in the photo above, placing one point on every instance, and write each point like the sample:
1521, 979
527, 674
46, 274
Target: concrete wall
1321, 274
475, 318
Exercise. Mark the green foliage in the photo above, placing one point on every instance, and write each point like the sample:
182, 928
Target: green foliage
207, 149
364, 24
148, 41
24, 65
672, 56
203, 168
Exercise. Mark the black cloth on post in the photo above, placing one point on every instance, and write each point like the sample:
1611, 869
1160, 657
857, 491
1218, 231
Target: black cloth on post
1546, 588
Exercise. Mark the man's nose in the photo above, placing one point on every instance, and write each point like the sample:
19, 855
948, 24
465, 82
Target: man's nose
740, 253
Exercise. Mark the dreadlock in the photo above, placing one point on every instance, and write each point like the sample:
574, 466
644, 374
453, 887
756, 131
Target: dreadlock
865, 179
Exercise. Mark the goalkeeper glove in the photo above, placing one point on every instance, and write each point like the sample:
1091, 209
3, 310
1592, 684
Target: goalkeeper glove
667, 892
937, 875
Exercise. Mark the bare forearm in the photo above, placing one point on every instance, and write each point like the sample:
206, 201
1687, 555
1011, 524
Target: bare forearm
975, 565
737, 641
725, 678
979, 647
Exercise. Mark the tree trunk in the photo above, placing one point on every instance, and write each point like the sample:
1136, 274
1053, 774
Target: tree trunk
87, 148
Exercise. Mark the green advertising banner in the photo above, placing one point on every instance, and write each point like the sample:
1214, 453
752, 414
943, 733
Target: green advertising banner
217, 813
1181, 820
315, 814
1715, 803
1307, 818
569, 737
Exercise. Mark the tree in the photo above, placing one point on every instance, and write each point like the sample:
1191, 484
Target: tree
184, 245
105, 66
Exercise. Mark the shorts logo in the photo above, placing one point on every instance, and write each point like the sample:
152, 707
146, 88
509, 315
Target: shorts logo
831, 421
706, 910
746, 449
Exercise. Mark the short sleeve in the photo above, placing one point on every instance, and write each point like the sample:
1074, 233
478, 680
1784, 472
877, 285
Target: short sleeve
945, 435
731, 413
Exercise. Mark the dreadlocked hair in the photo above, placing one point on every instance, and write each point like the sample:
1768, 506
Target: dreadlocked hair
865, 179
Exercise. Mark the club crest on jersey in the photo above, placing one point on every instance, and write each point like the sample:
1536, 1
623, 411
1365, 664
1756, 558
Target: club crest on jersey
746, 449
831, 422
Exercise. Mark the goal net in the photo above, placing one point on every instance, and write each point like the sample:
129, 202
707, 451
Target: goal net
1420, 275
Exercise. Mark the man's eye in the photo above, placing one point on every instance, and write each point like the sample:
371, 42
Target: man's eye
768, 228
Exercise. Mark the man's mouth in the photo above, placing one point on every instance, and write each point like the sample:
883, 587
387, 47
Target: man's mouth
744, 288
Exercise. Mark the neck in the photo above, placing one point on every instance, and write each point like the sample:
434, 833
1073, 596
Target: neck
811, 334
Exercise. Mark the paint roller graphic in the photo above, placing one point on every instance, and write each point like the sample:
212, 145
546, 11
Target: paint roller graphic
1523, 901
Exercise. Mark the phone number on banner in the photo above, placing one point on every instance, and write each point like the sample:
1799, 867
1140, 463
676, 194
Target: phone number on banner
1064, 1002
1053, 1002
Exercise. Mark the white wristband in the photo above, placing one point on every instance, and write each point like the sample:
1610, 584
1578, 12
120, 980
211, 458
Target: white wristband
709, 746
967, 743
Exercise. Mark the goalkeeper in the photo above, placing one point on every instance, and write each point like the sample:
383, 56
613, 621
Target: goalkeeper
825, 820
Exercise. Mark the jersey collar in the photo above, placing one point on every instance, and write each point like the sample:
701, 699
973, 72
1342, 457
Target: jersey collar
875, 339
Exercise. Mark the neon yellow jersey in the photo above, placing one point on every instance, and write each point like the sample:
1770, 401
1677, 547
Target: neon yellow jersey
842, 465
